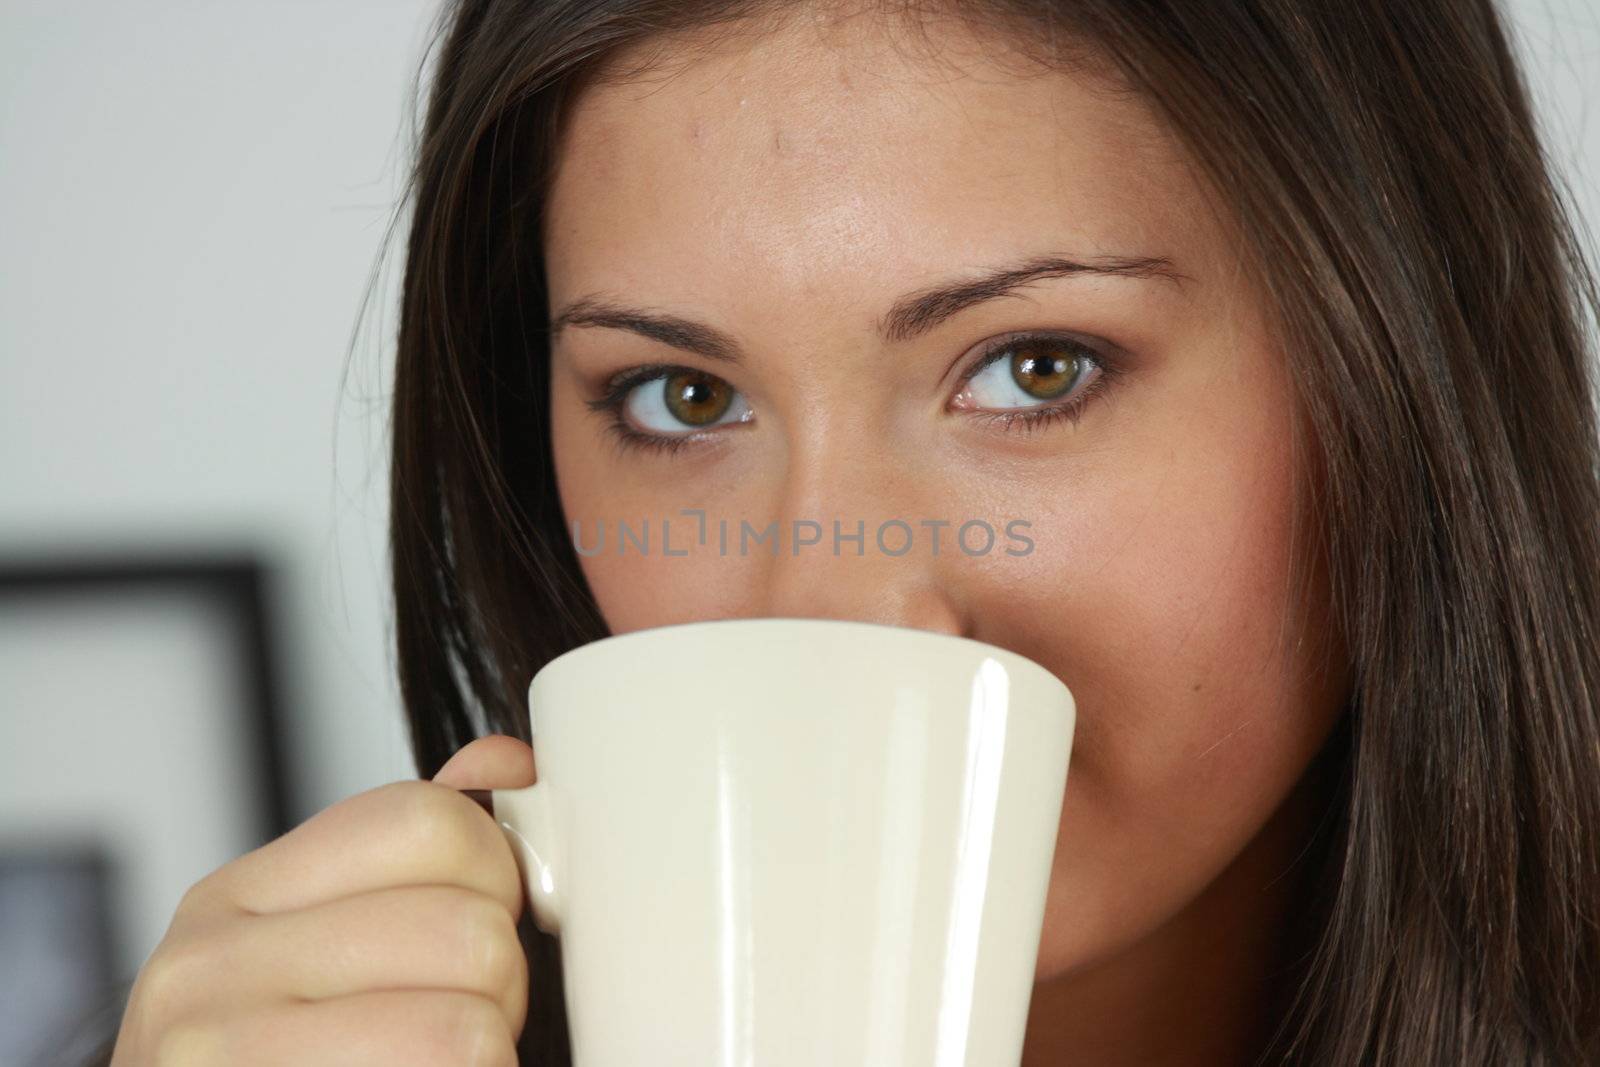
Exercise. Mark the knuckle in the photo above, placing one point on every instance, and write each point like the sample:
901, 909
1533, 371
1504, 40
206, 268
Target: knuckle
175, 971
496, 1050
441, 821
202, 898
500, 865
195, 897
478, 1035
492, 943
190, 1043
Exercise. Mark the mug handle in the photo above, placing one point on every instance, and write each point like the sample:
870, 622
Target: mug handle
524, 815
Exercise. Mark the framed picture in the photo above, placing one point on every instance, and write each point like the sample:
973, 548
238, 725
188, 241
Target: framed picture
140, 749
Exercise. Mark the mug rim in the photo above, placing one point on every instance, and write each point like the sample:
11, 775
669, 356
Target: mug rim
1012, 660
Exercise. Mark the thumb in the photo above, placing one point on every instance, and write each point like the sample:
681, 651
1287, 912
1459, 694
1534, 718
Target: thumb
493, 762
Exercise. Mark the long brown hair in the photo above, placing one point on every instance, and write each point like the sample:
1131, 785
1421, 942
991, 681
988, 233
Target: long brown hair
1434, 304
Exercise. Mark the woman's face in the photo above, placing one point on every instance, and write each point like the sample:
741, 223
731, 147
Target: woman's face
797, 197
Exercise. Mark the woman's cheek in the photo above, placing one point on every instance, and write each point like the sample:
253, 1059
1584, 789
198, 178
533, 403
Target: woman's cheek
651, 554
1196, 714
635, 591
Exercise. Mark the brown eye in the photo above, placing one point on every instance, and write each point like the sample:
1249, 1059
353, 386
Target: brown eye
1035, 371
674, 402
1043, 371
696, 399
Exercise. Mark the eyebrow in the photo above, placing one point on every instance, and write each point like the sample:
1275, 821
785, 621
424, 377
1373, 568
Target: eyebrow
911, 316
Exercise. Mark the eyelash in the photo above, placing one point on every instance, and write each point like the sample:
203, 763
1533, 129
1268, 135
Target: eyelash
617, 388
615, 396
1034, 418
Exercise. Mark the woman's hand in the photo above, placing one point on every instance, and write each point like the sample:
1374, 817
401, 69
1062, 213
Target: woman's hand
381, 931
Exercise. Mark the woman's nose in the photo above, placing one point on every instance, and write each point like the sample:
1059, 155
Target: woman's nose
857, 543
869, 587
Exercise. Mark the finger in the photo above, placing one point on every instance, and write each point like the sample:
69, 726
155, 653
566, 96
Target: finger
403, 833
412, 937
391, 1028
493, 762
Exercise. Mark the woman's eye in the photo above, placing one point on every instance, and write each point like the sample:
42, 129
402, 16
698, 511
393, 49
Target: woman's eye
1029, 373
1021, 380
683, 400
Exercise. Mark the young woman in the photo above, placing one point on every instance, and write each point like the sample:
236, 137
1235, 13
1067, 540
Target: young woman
1264, 315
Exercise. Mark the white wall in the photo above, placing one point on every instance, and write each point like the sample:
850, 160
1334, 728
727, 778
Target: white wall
191, 198
1560, 43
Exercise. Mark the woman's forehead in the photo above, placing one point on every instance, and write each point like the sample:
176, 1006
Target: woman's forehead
792, 145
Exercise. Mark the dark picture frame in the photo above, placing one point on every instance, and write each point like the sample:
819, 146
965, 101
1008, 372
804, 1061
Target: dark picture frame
239, 584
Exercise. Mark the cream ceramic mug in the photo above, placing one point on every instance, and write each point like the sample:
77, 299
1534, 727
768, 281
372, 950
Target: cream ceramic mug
782, 842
